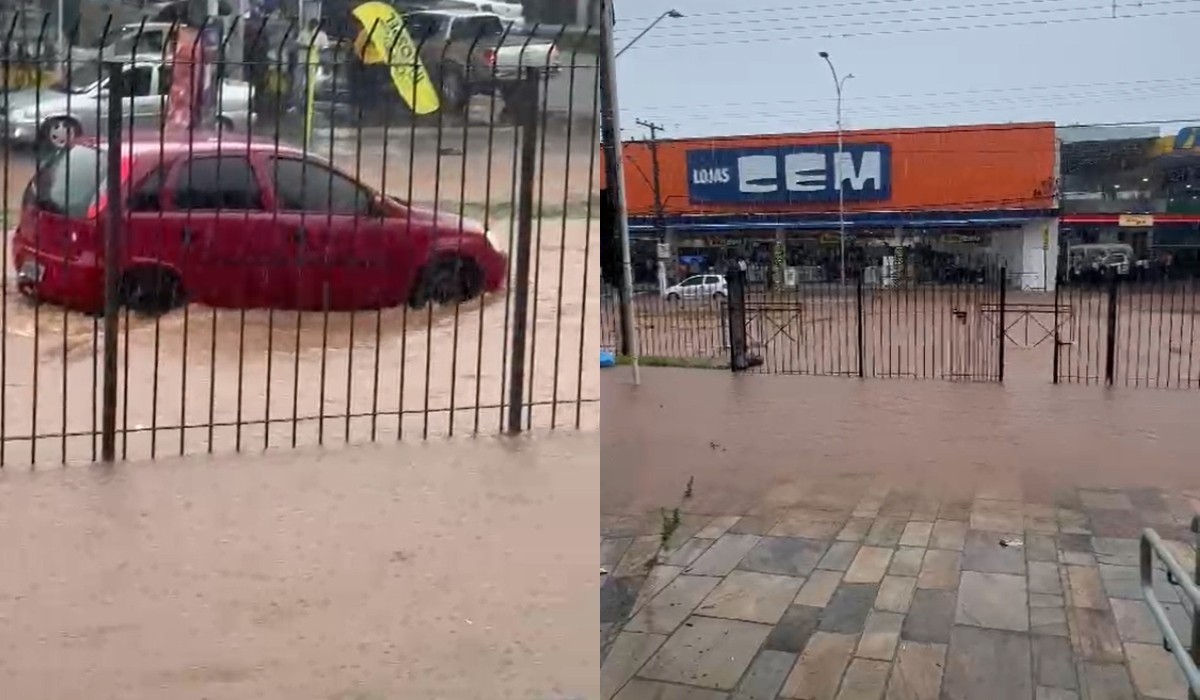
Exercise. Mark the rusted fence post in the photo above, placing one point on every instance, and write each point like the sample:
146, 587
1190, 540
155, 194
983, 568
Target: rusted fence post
528, 110
113, 232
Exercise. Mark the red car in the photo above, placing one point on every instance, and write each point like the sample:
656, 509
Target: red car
240, 224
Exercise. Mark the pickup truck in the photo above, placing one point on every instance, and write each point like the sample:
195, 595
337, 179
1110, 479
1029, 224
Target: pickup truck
469, 53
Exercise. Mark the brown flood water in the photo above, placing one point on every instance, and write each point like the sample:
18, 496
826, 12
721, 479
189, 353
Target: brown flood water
456, 570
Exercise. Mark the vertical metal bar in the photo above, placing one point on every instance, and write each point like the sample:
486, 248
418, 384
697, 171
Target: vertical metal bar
1057, 340
1000, 330
737, 320
529, 148
1192, 695
858, 294
1111, 341
112, 274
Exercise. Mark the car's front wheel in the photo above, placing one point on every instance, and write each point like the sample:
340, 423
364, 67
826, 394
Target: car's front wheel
718, 296
673, 296
151, 290
446, 281
60, 132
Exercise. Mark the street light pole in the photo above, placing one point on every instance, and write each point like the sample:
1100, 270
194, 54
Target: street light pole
673, 14
838, 84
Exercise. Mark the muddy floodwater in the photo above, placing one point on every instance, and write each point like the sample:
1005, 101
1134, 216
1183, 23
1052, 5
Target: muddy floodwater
203, 380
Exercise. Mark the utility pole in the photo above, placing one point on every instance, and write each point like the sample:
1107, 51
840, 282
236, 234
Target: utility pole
658, 204
610, 137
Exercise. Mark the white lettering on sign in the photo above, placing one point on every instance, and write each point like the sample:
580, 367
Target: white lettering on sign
711, 176
804, 172
871, 169
757, 174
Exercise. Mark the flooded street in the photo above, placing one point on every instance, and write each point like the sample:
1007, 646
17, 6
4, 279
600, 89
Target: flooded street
442, 570
203, 380
740, 435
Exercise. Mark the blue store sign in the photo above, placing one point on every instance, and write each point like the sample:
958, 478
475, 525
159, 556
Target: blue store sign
790, 174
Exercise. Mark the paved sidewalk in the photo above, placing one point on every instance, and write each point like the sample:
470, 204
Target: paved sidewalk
855, 587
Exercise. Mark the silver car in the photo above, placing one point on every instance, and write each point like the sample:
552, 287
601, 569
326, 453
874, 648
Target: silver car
77, 104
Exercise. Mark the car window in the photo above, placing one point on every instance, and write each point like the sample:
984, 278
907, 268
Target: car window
423, 26
164, 80
69, 183
216, 182
693, 282
148, 195
304, 185
473, 28
136, 82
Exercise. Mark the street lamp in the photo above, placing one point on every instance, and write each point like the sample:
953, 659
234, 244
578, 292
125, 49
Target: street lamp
673, 14
838, 83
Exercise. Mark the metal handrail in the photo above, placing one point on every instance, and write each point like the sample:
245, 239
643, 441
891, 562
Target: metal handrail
1151, 545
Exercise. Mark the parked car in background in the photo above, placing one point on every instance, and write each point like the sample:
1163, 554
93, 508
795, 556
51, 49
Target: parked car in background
150, 39
707, 286
76, 105
238, 223
512, 13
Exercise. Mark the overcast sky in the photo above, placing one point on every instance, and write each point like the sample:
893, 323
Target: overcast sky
755, 69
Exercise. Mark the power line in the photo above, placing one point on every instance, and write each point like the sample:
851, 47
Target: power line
919, 30
940, 16
921, 95
779, 8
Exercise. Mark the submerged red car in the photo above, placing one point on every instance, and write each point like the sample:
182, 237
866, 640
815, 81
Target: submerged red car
240, 224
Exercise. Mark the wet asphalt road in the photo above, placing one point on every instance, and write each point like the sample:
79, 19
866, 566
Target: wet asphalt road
265, 378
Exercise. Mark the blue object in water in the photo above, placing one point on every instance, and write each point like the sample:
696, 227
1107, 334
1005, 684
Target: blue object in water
607, 359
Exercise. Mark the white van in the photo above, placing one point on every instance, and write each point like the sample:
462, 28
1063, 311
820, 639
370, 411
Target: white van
512, 12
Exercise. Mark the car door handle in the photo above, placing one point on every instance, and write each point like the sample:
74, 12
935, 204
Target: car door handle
187, 236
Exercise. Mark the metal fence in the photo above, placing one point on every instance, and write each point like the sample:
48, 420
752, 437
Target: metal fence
908, 326
211, 252
1128, 331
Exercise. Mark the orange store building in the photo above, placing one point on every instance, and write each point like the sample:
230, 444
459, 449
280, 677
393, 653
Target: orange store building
985, 187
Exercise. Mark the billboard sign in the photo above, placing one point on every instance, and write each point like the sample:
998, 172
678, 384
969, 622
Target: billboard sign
790, 174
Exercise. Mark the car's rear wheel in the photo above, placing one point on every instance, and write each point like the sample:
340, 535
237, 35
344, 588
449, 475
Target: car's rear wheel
673, 296
151, 290
448, 280
60, 132
718, 296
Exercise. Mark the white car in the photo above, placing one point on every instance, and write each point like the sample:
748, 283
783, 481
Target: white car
705, 286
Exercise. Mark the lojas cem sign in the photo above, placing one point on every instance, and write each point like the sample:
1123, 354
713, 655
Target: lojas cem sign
790, 174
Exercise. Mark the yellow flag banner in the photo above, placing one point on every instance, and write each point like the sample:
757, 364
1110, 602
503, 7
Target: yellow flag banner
383, 32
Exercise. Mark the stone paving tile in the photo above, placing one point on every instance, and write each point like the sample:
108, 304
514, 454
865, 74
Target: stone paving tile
1124, 524
628, 652
1126, 582
717, 527
787, 556
1045, 578
1040, 547
1134, 621
916, 534
687, 553
638, 555
998, 601
1111, 500
925, 509
659, 578
1155, 672
880, 636
1181, 620
930, 617
1116, 551
869, 565
896, 593
753, 525
848, 610
997, 516
707, 652
839, 556
1046, 600
864, 680
766, 676
1104, 682
1077, 558
793, 631
884, 532
819, 669
1044, 693
751, 596
898, 504
982, 552
948, 534
1053, 663
917, 673
1086, 589
612, 549
809, 526
1041, 523
986, 664
1073, 522
1048, 621
1094, 635
819, 588
907, 561
939, 569
639, 689
1074, 543
855, 530
955, 510
723, 555
689, 525
669, 609
629, 525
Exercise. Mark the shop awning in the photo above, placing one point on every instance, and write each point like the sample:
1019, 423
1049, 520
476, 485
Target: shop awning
716, 223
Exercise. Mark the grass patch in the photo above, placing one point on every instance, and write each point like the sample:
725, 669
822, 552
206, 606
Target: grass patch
686, 362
